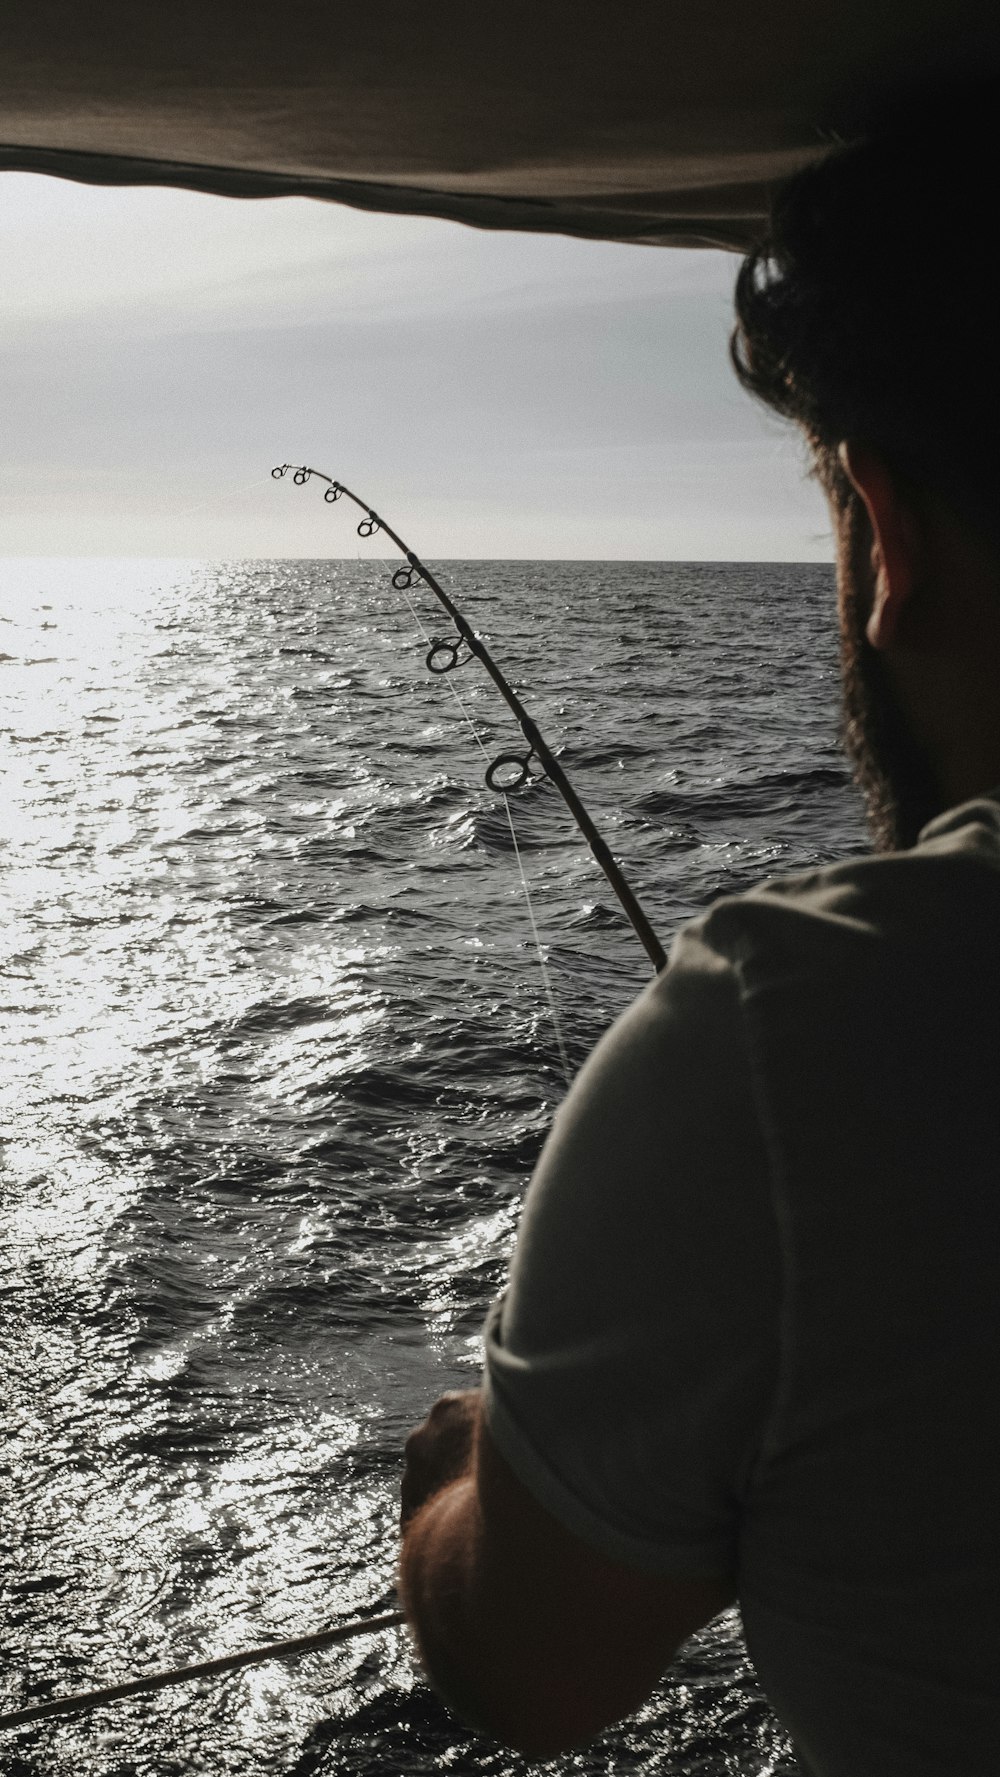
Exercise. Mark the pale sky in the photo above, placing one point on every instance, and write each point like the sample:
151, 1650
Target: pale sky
494, 395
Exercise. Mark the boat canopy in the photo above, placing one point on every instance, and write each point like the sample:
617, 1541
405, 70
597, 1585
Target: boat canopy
662, 121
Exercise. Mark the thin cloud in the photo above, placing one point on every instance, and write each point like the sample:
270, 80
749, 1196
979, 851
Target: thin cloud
508, 394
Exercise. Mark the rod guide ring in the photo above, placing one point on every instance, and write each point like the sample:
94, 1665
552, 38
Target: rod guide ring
504, 785
443, 656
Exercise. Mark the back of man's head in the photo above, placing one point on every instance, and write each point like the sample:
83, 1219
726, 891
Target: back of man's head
872, 310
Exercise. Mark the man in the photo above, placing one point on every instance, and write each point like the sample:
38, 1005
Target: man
751, 1341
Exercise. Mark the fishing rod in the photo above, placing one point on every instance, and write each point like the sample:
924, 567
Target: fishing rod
509, 770
85, 1702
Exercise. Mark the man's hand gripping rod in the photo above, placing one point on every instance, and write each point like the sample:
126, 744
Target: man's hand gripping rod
444, 656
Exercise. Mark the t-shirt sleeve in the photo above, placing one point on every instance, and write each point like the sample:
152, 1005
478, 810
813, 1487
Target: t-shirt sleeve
631, 1363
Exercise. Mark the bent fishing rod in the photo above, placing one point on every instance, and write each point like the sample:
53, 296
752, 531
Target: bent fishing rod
509, 770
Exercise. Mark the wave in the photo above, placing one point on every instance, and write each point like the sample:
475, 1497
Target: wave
766, 793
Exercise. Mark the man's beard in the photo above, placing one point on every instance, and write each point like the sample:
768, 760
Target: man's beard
889, 767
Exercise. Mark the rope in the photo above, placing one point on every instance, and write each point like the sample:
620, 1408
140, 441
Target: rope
84, 1701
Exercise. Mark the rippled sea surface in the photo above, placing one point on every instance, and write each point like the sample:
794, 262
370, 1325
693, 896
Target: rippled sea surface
277, 1060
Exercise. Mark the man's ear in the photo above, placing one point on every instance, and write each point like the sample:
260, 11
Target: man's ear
896, 537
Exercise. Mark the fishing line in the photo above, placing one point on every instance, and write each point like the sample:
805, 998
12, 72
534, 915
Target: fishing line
563, 1057
543, 966
232, 493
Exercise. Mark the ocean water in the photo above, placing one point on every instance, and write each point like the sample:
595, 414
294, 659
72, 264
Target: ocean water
278, 1057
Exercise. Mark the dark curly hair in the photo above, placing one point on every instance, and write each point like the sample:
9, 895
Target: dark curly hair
872, 308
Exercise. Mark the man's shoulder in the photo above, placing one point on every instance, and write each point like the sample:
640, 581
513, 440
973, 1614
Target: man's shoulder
944, 892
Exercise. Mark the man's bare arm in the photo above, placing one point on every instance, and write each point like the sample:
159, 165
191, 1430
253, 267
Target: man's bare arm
531, 1635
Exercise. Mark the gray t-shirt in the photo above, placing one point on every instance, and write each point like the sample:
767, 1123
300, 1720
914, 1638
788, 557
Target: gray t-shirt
752, 1324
